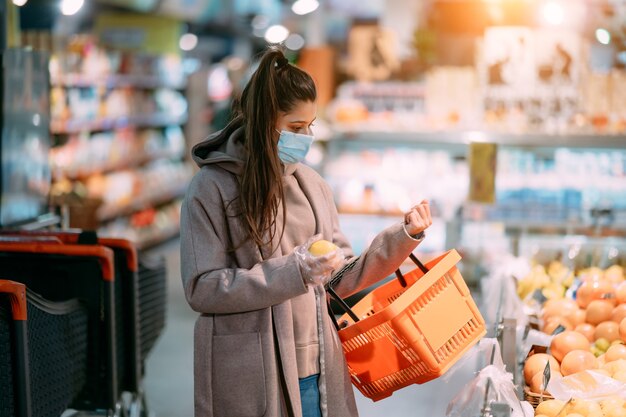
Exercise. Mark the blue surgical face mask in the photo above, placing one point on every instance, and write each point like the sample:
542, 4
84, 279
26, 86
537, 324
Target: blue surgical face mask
293, 147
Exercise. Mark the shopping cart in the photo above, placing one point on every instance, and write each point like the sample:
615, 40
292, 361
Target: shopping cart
140, 289
60, 272
410, 330
43, 352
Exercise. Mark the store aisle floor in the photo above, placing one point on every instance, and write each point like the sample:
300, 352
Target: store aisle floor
169, 374
168, 382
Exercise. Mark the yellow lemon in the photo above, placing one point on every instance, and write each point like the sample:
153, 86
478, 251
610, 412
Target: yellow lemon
321, 248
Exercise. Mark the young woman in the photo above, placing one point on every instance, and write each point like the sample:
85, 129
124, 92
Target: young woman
264, 343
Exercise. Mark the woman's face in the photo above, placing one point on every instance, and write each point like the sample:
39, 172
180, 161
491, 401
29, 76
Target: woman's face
299, 119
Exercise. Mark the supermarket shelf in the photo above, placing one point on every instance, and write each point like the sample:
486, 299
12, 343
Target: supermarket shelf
117, 81
112, 123
83, 174
573, 227
41, 222
107, 213
530, 140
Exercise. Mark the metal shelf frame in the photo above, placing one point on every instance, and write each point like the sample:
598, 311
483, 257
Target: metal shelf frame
465, 137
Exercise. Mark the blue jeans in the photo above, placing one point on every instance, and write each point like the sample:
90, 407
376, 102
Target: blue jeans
310, 395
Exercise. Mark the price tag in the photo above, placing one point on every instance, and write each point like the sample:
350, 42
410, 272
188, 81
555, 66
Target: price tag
533, 322
534, 349
538, 296
546, 376
559, 329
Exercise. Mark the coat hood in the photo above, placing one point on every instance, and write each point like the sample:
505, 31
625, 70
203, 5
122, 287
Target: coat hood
224, 148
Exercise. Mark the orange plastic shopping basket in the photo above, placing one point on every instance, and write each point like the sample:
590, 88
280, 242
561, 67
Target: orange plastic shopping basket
409, 330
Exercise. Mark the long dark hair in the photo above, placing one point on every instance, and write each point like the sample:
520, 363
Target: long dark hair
276, 86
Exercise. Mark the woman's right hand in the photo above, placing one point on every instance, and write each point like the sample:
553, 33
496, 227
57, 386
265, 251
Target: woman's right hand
317, 270
418, 219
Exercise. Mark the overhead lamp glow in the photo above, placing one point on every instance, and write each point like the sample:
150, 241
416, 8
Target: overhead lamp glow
19, 3
553, 13
302, 7
260, 22
71, 7
276, 34
188, 42
294, 42
603, 36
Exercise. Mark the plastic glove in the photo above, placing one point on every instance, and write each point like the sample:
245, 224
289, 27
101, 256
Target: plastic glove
317, 270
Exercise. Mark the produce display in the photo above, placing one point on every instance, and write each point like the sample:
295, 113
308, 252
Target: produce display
586, 314
611, 407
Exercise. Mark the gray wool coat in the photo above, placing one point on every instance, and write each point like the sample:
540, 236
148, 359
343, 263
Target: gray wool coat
244, 349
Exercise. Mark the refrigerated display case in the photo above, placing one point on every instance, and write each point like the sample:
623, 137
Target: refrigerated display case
25, 137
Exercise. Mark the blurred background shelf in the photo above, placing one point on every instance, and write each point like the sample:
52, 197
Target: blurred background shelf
465, 137
133, 161
117, 81
110, 123
141, 202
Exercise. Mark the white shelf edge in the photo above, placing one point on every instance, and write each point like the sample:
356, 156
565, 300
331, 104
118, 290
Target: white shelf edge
465, 137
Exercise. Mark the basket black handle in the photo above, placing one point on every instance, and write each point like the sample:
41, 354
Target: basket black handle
346, 308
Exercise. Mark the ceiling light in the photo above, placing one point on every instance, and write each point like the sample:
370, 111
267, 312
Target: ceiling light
188, 42
71, 7
553, 13
294, 42
302, 7
603, 36
19, 3
276, 34
260, 22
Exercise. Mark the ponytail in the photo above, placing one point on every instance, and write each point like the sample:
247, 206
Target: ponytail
276, 86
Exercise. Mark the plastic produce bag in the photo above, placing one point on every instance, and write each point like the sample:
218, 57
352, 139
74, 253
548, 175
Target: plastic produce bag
533, 338
587, 385
499, 291
470, 401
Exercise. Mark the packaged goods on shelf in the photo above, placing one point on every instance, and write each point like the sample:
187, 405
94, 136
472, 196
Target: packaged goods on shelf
564, 189
147, 227
117, 117
83, 155
391, 180
379, 106
525, 80
556, 188
452, 97
604, 101
82, 62
79, 109
127, 191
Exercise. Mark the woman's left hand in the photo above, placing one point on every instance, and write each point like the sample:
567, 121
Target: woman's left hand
418, 218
